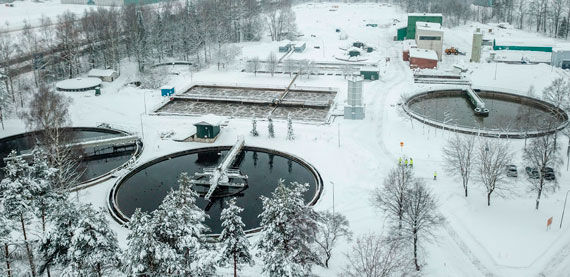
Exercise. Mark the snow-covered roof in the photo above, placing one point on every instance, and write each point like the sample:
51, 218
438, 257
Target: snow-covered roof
420, 25
425, 14
167, 87
101, 72
423, 54
368, 68
515, 42
517, 56
210, 119
78, 83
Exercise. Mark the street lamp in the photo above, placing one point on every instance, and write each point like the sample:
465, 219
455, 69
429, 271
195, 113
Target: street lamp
332, 183
564, 208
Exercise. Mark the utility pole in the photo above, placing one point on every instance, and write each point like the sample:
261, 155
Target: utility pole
332, 183
564, 208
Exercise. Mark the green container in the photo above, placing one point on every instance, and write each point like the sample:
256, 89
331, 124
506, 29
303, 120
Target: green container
97, 91
206, 130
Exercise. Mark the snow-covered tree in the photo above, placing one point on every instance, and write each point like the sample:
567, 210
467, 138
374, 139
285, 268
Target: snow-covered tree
373, 255
17, 191
235, 246
179, 224
5, 241
332, 226
55, 243
421, 217
290, 134
93, 248
288, 232
459, 155
253, 131
541, 154
270, 129
144, 254
271, 64
493, 156
254, 65
391, 196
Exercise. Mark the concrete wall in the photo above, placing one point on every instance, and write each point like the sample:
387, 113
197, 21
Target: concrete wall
435, 45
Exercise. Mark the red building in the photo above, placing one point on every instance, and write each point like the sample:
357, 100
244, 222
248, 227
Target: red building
423, 58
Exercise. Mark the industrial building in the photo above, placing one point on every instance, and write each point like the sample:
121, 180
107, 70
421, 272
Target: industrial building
423, 58
560, 58
409, 32
106, 75
429, 36
504, 44
354, 108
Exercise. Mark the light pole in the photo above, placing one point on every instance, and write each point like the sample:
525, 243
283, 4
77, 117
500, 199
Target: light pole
564, 208
142, 129
332, 183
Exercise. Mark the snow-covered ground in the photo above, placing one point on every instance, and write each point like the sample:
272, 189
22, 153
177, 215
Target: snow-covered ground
509, 238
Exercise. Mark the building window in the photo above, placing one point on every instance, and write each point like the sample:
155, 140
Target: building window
429, 38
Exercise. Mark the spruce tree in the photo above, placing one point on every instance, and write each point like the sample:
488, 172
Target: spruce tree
270, 129
288, 232
5, 240
17, 191
254, 128
235, 246
179, 224
290, 134
144, 253
93, 247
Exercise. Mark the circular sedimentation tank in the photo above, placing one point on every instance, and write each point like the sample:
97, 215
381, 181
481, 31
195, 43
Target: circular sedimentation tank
146, 186
95, 162
510, 115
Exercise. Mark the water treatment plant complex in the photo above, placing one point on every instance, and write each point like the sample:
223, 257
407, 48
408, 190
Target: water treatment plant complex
359, 89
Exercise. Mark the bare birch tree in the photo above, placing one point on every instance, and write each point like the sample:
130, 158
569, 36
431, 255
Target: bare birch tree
459, 154
332, 226
420, 218
271, 63
493, 156
391, 196
375, 256
542, 153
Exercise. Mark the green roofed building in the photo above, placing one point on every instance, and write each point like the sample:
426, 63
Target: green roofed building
409, 31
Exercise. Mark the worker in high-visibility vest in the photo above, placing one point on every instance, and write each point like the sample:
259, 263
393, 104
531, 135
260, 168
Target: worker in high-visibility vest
411, 162
400, 161
434, 175
406, 162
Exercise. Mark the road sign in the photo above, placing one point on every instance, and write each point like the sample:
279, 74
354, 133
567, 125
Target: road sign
548, 223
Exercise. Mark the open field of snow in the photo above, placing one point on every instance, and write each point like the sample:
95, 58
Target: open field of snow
509, 238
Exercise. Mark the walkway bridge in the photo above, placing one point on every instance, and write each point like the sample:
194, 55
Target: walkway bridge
220, 176
480, 108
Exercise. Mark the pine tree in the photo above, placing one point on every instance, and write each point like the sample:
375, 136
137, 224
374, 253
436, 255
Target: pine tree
17, 191
290, 134
288, 232
5, 240
179, 224
254, 128
270, 129
235, 246
144, 253
55, 243
93, 249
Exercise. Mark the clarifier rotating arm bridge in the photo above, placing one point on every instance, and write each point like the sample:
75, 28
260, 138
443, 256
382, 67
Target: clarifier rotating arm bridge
477, 102
220, 176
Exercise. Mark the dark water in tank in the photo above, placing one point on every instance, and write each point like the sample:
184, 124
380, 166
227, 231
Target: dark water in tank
454, 108
97, 161
147, 188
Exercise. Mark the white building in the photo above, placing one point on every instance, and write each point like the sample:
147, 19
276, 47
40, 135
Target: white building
429, 36
106, 75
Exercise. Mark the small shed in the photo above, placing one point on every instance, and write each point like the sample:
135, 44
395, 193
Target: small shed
371, 25
106, 75
205, 130
402, 33
423, 58
353, 52
299, 49
358, 44
166, 90
370, 73
560, 58
285, 48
